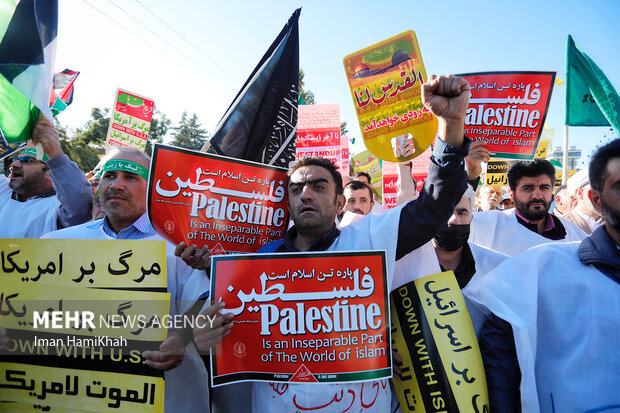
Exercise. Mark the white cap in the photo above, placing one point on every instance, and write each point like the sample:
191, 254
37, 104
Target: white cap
579, 180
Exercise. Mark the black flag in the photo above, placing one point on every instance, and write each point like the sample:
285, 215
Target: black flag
261, 123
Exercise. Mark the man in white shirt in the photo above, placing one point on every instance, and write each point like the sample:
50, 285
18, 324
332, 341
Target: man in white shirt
584, 215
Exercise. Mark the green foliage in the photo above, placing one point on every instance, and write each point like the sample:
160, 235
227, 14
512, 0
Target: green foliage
343, 129
305, 96
87, 144
188, 133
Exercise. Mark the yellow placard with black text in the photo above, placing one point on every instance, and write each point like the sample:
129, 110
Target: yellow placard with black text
442, 367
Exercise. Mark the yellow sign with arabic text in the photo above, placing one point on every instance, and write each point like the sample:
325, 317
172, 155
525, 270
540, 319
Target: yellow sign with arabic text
54, 389
442, 367
85, 263
385, 81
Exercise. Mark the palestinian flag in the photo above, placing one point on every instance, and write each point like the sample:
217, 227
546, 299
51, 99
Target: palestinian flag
62, 90
27, 52
261, 123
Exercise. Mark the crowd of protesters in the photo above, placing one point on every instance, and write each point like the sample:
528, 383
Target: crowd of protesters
540, 269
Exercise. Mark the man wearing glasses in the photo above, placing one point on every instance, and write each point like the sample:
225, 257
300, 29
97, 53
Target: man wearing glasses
40, 196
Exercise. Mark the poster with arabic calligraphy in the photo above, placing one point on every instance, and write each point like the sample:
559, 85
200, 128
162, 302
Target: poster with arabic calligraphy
508, 111
434, 335
318, 132
303, 317
228, 204
385, 81
79, 315
367, 162
130, 121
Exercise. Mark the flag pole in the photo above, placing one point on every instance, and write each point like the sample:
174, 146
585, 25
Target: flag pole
565, 156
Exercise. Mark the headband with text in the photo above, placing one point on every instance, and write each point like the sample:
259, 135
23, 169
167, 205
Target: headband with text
33, 152
126, 166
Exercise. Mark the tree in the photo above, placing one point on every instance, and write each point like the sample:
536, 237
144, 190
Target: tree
159, 128
343, 129
88, 143
306, 97
188, 133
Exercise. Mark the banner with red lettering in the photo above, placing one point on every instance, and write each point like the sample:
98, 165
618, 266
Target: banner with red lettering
227, 204
303, 317
318, 132
508, 111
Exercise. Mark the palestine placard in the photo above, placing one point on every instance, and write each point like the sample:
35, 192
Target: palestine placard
227, 204
303, 317
385, 81
508, 110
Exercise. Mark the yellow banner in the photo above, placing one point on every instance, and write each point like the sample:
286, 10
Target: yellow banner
542, 149
92, 312
54, 389
84, 263
442, 367
496, 172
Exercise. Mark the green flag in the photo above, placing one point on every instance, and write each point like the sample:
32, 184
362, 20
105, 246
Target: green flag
27, 51
591, 100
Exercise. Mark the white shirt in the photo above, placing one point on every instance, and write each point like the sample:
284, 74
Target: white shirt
186, 386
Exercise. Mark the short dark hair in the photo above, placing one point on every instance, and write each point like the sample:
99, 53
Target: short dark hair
530, 169
323, 163
357, 185
599, 161
364, 174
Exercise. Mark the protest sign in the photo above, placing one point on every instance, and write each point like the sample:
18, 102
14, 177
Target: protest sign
79, 316
346, 161
385, 81
366, 162
390, 184
71, 263
496, 172
7, 149
508, 110
419, 168
303, 317
130, 121
227, 204
318, 132
442, 367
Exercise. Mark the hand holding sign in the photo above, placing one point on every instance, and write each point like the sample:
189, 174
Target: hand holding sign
45, 134
213, 331
170, 354
476, 155
447, 97
197, 258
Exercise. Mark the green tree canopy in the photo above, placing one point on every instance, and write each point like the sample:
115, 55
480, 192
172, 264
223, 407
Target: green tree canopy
188, 134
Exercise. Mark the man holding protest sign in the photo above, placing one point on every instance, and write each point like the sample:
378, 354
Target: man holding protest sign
529, 223
43, 195
122, 191
315, 198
